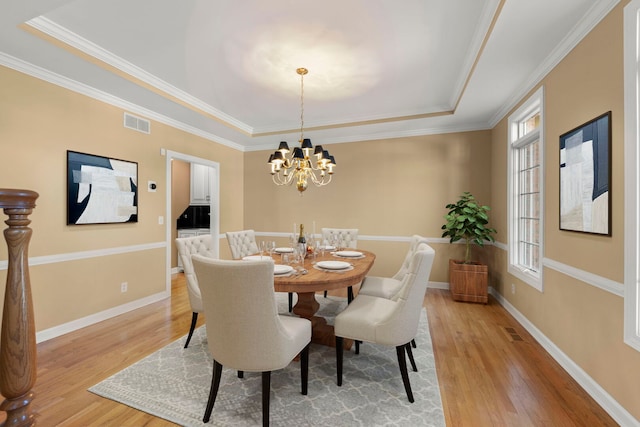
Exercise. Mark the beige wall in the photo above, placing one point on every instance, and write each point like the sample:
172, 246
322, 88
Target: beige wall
585, 322
38, 123
385, 188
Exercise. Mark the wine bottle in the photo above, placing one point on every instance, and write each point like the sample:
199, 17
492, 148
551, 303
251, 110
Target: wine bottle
301, 238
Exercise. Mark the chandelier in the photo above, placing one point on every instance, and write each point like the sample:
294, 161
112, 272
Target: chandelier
305, 162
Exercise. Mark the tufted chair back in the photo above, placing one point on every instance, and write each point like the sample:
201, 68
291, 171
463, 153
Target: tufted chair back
349, 236
242, 243
413, 247
188, 246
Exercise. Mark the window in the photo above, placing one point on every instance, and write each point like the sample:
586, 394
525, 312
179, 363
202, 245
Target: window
525, 173
632, 177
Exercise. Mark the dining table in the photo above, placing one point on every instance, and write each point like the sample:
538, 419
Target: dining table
314, 278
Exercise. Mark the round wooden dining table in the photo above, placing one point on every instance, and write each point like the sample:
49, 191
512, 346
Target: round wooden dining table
316, 280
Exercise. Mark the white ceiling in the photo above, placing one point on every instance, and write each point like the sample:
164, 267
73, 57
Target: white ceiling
226, 69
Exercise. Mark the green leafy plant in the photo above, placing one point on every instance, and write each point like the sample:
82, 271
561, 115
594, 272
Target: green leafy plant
467, 219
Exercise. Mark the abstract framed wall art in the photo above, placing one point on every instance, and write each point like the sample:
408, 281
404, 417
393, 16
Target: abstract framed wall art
585, 177
101, 190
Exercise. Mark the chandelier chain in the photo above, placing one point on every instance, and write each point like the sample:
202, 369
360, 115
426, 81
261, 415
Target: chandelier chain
302, 106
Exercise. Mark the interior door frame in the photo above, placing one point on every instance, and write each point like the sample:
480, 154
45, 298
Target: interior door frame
214, 220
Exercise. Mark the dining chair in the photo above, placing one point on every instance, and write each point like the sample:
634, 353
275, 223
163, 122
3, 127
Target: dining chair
188, 246
391, 322
244, 330
387, 287
243, 243
349, 238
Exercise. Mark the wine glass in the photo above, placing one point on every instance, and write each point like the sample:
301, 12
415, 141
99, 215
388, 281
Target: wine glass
318, 249
286, 258
333, 242
263, 248
271, 246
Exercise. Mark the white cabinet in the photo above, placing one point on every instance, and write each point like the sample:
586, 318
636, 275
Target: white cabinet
190, 232
200, 184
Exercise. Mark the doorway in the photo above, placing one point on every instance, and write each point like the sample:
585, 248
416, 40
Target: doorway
214, 205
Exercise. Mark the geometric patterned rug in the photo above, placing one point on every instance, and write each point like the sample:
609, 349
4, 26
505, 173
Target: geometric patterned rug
173, 384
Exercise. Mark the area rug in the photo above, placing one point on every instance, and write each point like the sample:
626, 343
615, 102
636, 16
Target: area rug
173, 384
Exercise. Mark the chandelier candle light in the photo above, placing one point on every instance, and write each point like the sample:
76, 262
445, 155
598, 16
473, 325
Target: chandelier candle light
300, 166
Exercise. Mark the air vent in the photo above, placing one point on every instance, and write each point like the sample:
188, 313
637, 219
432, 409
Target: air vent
137, 123
514, 334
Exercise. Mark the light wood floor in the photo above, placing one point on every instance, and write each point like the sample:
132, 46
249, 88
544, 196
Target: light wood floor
491, 371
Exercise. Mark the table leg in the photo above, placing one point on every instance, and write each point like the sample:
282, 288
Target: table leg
321, 332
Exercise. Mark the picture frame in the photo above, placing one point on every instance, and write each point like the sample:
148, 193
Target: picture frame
101, 190
585, 177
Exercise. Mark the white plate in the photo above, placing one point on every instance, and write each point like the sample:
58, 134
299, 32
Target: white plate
349, 254
328, 248
256, 258
333, 265
282, 269
283, 250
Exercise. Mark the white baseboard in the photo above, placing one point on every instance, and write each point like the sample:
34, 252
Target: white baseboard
74, 325
438, 285
604, 399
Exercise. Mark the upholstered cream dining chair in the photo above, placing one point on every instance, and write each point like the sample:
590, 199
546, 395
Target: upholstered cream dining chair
243, 243
244, 330
348, 236
188, 246
349, 239
387, 287
392, 322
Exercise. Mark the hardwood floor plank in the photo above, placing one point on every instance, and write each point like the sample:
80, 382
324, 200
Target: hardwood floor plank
491, 371
488, 362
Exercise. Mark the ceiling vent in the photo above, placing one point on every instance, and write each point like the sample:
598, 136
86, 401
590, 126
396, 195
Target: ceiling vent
137, 123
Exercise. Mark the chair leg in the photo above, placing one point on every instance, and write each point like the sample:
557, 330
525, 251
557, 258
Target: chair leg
213, 391
194, 319
339, 351
290, 302
349, 294
266, 391
325, 294
413, 343
304, 368
403, 371
240, 374
410, 354
357, 347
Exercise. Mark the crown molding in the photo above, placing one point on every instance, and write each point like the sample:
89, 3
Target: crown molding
598, 11
83, 89
69, 38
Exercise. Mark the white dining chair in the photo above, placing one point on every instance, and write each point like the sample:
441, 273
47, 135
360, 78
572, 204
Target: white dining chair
387, 287
243, 243
348, 236
244, 330
392, 322
188, 246
349, 239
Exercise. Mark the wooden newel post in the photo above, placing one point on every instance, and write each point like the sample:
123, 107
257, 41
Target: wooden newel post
18, 339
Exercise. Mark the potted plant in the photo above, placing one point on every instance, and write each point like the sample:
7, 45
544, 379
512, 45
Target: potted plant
467, 219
